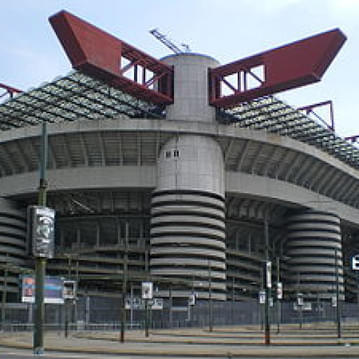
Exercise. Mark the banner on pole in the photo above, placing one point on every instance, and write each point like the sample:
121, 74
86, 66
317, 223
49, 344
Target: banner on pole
42, 231
53, 291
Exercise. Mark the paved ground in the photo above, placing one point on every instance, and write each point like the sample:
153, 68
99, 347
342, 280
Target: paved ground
228, 342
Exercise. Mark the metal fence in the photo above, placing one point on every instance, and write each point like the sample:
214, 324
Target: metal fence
98, 313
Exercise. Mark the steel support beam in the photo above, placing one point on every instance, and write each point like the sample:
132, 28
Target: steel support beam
290, 66
103, 56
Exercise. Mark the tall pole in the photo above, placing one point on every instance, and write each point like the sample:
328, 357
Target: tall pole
278, 299
131, 308
210, 308
267, 289
3, 301
339, 329
124, 286
146, 318
40, 262
146, 300
67, 301
170, 313
300, 303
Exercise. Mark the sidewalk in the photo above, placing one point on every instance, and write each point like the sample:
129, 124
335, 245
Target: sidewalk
195, 342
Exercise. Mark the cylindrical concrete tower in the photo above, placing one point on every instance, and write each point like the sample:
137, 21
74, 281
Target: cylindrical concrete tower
13, 248
188, 209
315, 250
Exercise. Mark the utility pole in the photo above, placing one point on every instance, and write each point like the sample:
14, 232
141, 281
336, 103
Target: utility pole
40, 262
339, 329
279, 294
267, 283
300, 302
170, 313
67, 301
147, 297
210, 309
4, 295
124, 286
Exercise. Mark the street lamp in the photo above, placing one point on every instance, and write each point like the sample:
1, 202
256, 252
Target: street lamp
339, 329
267, 283
124, 285
210, 308
40, 262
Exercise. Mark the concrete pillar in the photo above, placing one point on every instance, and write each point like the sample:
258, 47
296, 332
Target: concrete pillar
313, 243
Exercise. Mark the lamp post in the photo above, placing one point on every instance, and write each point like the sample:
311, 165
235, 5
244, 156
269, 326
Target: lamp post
268, 283
4, 295
40, 262
210, 308
124, 286
279, 295
339, 328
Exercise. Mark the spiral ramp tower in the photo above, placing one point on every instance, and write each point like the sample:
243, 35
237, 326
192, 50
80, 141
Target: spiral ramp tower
13, 246
314, 248
188, 204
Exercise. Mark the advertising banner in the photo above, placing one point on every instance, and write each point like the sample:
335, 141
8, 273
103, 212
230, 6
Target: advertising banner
53, 291
147, 290
42, 231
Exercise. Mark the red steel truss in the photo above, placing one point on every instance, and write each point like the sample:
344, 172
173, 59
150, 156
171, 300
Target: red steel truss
310, 109
9, 91
290, 66
103, 56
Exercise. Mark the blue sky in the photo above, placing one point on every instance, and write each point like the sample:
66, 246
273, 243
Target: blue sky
224, 29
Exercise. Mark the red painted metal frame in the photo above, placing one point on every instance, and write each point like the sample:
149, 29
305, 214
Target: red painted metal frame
11, 91
100, 55
310, 109
290, 66
352, 139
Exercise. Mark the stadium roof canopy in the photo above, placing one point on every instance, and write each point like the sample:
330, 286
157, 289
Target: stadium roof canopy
75, 96
79, 96
273, 115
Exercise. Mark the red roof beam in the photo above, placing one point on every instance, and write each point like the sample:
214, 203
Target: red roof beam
100, 55
10, 90
297, 64
308, 109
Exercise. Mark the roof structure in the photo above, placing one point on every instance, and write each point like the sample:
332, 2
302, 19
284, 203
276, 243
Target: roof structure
79, 96
272, 115
75, 96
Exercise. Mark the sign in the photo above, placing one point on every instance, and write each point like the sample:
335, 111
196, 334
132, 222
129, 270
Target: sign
69, 289
268, 271
334, 301
137, 303
262, 297
147, 290
271, 302
192, 299
157, 304
300, 300
306, 307
355, 262
279, 290
42, 231
134, 303
53, 290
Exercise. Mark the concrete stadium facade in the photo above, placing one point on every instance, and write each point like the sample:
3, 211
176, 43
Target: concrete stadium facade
184, 201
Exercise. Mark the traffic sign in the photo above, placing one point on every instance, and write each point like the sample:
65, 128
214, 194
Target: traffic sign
279, 290
355, 262
147, 290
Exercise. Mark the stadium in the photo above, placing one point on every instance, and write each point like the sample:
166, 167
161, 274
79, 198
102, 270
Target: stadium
167, 170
